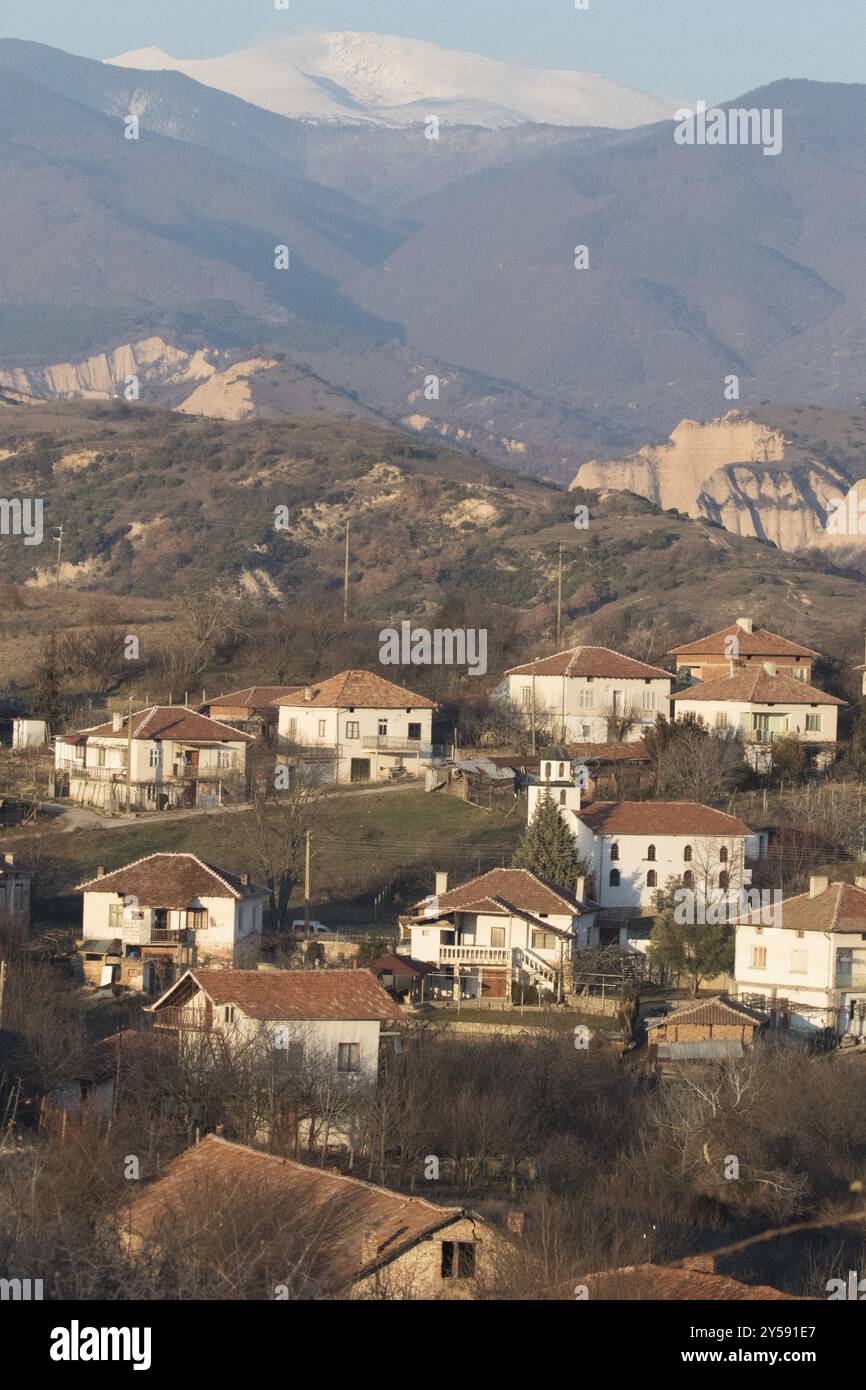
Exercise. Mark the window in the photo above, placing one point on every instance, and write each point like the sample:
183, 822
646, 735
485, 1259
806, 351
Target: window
813, 723
721, 720
561, 772
497, 936
652, 879
196, 918
687, 854
115, 916
100, 757
526, 697
353, 729
614, 852
458, 1259
348, 1057
415, 731
759, 957
614, 878
798, 962
585, 730
800, 935
688, 879
18, 895
562, 797
586, 700
228, 1013
544, 941
323, 724
383, 728
648, 699
225, 757
724, 880
651, 853
723, 855
155, 757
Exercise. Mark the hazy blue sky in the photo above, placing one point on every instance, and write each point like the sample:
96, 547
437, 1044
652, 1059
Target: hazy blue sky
687, 48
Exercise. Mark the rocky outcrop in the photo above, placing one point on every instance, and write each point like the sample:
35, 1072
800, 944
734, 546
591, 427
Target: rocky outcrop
735, 471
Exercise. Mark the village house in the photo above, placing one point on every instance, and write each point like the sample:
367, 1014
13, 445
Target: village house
401, 977
809, 967
763, 706
690, 1280
252, 709
145, 923
710, 1030
741, 647
357, 727
350, 1239
332, 1019
501, 930
169, 757
589, 695
15, 888
632, 848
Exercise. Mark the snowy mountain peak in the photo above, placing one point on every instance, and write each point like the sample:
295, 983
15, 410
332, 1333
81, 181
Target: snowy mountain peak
383, 79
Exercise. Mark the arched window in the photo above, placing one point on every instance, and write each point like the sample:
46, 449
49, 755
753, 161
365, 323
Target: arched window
651, 854
687, 854
614, 878
614, 852
651, 879
562, 797
549, 771
723, 856
723, 880
561, 771
688, 879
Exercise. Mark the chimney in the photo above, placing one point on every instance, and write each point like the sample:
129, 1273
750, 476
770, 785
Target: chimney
308, 692
516, 1221
746, 625
8, 858
116, 723
580, 887
770, 668
245, 880
100, 872
369, 1247
441, 883
818, 885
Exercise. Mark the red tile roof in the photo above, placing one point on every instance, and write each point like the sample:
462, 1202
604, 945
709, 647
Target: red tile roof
170, 880
356, 1227
501, 890
705, 1012
400, 965
591, 661
311, 995
760, 642
756, 686
660, 818
609, 752
355, 690
170, 722
252, 697
662, 1282
840, 908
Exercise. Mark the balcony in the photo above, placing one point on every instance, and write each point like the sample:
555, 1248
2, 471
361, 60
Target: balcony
399, 745
188, 1020
475, 955
92, 773
196, 772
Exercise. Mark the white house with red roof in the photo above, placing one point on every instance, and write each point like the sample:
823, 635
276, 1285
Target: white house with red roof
589, 695
762, 706
330, 1019
739, 647
357, 727
145, 921
504, 928
162, 757
807, 961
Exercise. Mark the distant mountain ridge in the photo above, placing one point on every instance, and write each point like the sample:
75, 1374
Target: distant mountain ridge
385, 80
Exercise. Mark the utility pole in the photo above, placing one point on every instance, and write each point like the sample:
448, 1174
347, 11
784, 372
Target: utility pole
307, 839
559, 603
59, 539
533, 705
346, 579
2, 988
129, 759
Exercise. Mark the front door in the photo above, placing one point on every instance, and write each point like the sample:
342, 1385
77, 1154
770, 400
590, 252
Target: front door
360, 770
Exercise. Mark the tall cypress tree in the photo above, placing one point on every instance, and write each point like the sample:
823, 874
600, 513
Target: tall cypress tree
547, 847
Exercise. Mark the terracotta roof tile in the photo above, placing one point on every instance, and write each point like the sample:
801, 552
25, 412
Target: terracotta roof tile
660, 818
840, 908
356, 690
500, 890
359, 1227
170, 880
169, 722
663, 1282
591, 661
705, 1012
295, 994
252, 697
760, 642
757, 686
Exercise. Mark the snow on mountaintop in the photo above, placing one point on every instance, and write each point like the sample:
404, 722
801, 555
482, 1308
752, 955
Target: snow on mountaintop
381, 79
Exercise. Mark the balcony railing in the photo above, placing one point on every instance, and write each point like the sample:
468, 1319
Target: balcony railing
475, 955
195, 772
189, 1020
93, 773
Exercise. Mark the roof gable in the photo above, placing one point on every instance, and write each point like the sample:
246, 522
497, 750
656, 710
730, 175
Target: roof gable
578, 662
170, 722
293, 995
757, 686
759, 642
355, 690
688, 818
170, 880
